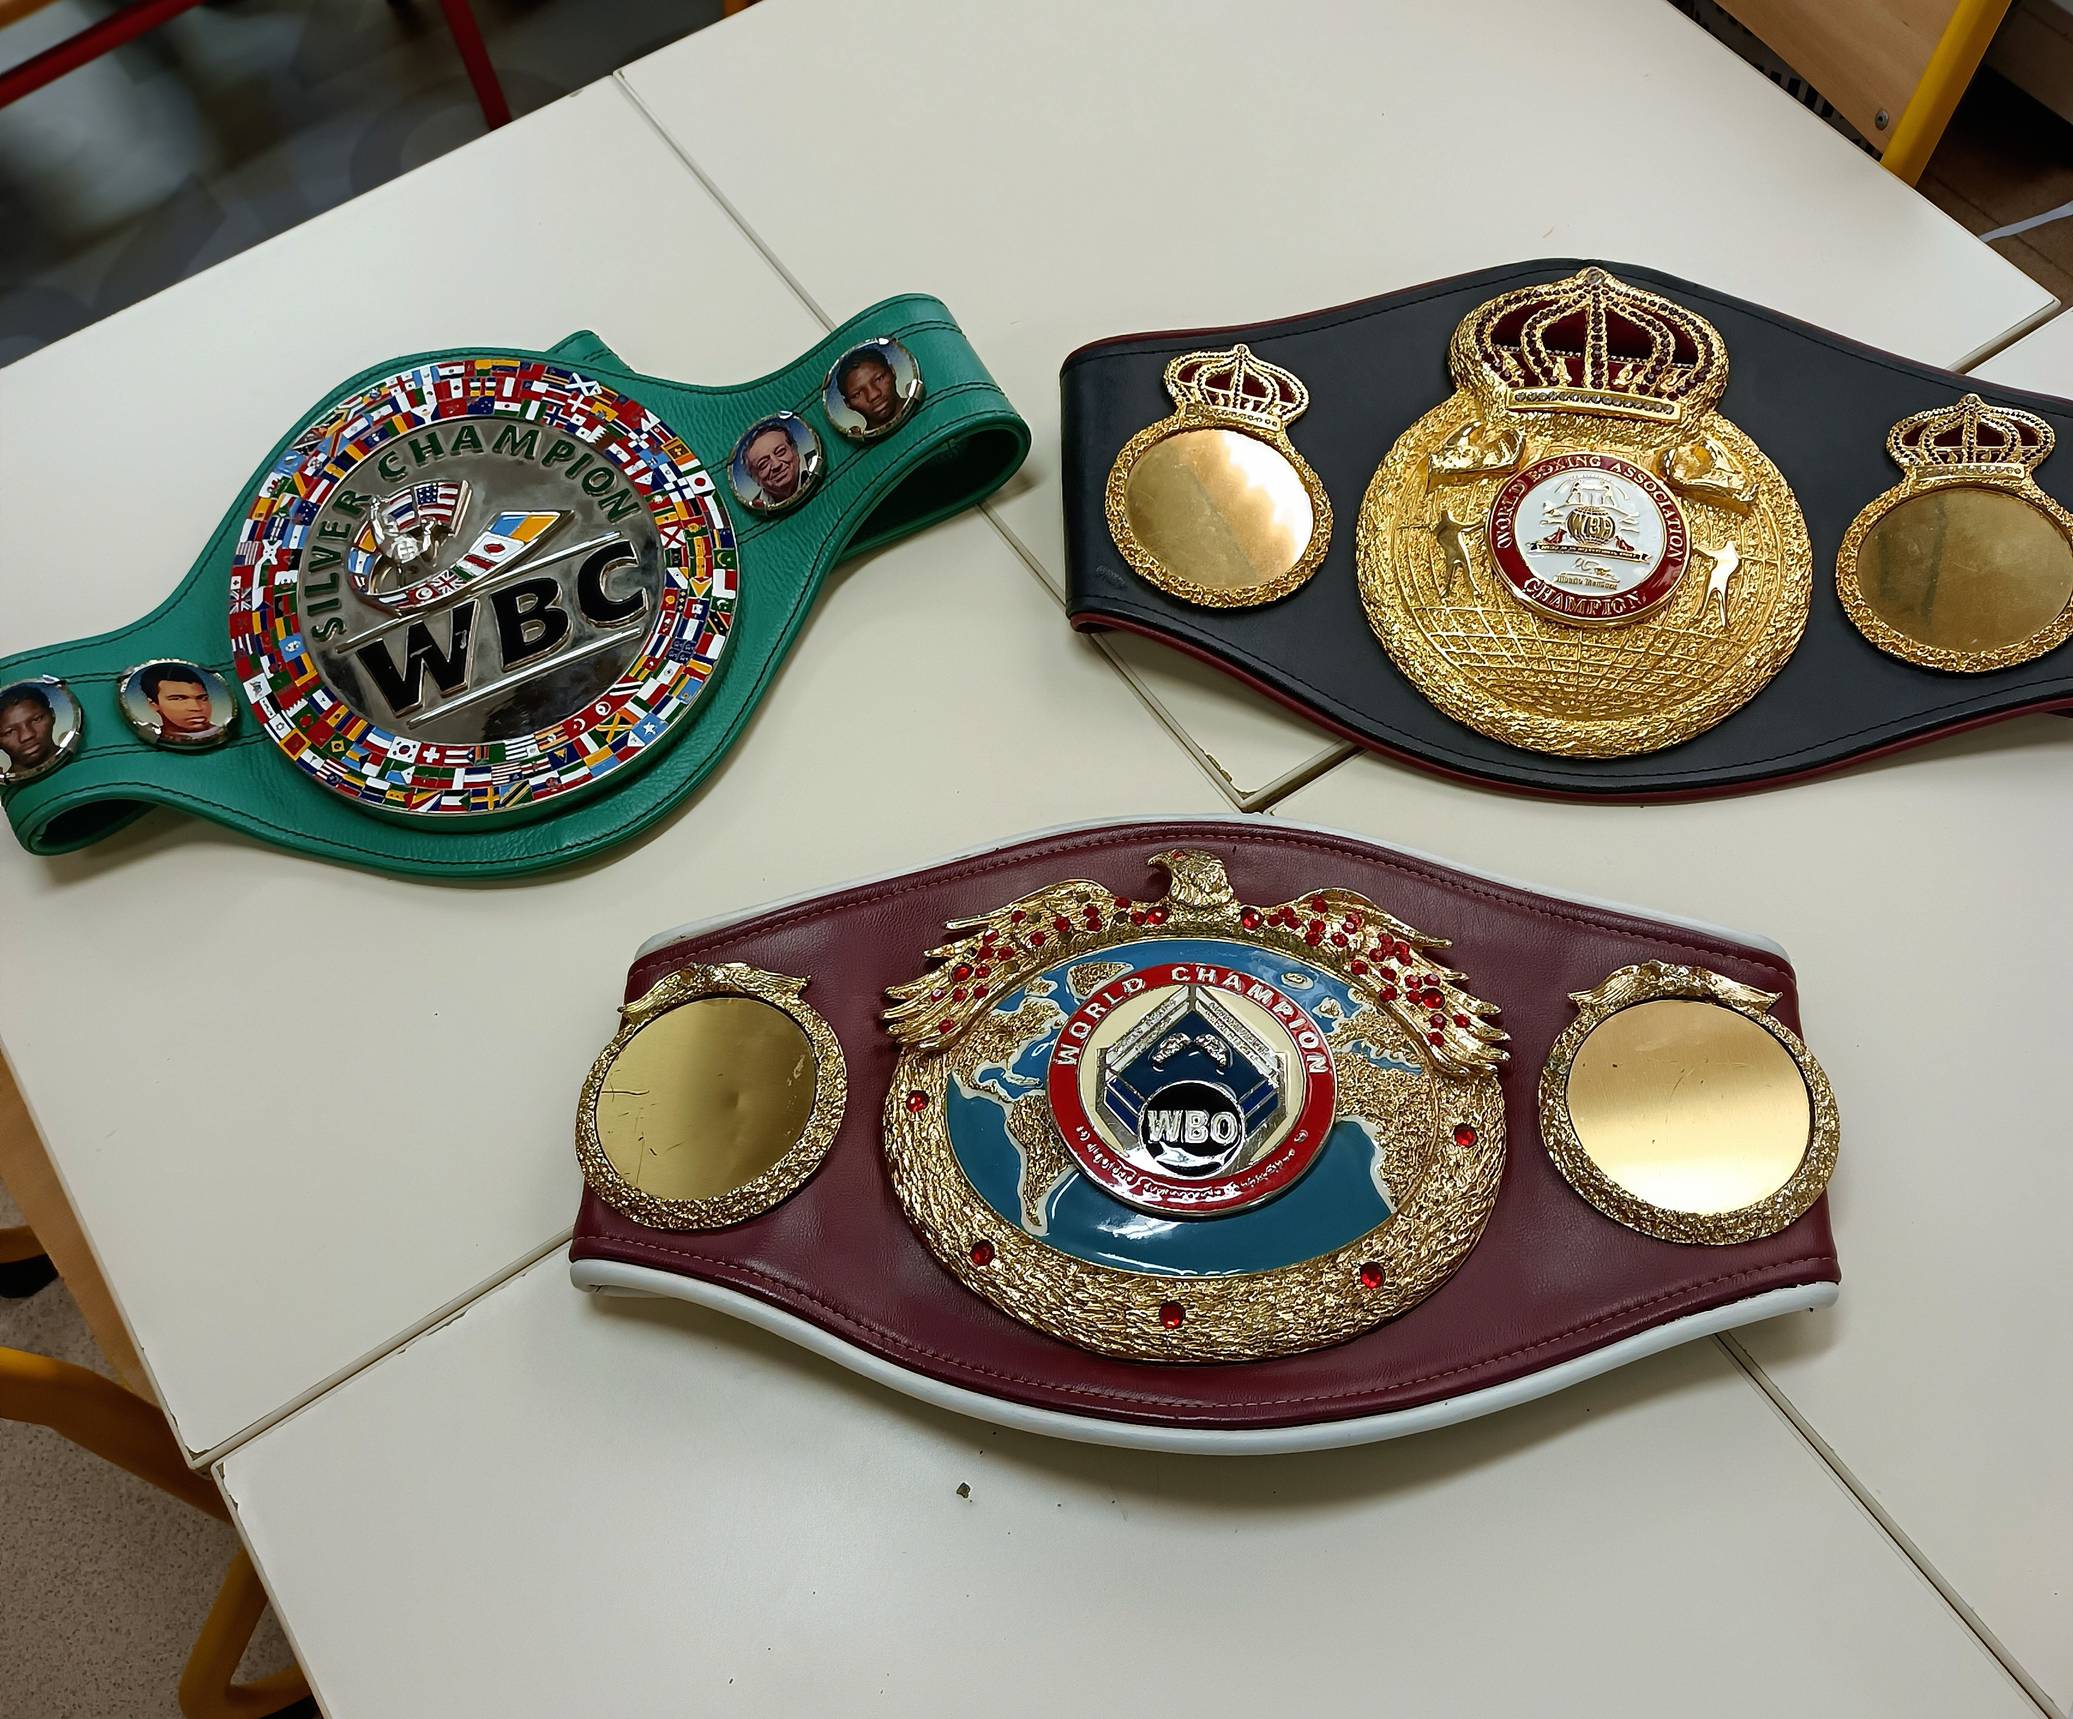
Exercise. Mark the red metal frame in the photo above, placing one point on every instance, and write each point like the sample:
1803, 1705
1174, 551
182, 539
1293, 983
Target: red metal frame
131, 21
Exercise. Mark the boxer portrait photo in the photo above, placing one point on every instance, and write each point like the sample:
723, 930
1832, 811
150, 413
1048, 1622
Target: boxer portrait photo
39, 728
177, 704
775, 464
871, 390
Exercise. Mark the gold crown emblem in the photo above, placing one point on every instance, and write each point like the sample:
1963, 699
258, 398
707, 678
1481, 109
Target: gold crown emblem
1971, 438
1591, 343
1232, 383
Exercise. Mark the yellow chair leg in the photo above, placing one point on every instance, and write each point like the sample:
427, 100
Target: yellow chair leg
99, 1415
121, 1427
18, 1244
208, 1689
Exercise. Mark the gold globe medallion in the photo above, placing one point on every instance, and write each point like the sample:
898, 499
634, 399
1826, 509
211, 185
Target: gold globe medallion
1965, 564
1195, 1128
1575, 553
1213, 504
1679, 1107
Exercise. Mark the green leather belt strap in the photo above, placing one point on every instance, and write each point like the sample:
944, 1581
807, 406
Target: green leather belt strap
958, 441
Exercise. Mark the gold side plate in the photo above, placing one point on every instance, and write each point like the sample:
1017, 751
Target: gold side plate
718, 1097
1576, 553
1964, 565
1680, 1108
1447, 1149
1213, 504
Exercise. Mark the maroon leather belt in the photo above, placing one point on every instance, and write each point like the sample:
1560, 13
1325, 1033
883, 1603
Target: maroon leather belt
1220, 1134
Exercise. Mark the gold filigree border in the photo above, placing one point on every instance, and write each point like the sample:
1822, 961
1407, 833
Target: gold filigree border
1385, 512
1116, 504
784, 1178
1245, 1316
1766, 1217
1894, 642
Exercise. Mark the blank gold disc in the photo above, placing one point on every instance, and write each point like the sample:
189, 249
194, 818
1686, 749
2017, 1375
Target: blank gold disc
1966, 569
705, 1098
1689, 1106
1225, 510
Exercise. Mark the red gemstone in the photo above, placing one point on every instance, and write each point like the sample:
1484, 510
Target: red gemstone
978, 991
937, 996
1358, 966
1437, 1019
1061, 925
1403, 951
1464, 1134
1461, 1020
1317, 902
961, 971
1388, 993
1351, 922
1155, 916
1339, 939
1250, 919
1313, 933
1432, 999
1171, 1313
944, 1026
982, 971
982, 1253
1092, 916
917, 1102
959, 995
1371, 1275
1017, 917
1036, 940
1122, 901
1437, 1038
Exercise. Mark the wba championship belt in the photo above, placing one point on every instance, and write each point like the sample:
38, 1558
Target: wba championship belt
1210, 1134
1606, 560
486, 611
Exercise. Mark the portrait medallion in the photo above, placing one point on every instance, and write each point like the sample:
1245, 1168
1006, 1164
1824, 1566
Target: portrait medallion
1193, 1128
41, 729
1965, 564
479, 586
1576, 553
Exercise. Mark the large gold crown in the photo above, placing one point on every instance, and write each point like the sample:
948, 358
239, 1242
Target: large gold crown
1591, 343
1972, 439
1232, 383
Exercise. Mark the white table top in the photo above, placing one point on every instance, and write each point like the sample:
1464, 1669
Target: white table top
254, 1256
2042, 360
559, 1498
1063, 172
1921, 900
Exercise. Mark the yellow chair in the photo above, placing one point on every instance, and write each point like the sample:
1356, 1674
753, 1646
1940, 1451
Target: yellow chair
123, 1428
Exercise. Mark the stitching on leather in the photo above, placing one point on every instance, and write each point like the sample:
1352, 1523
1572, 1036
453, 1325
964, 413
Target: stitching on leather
1151, 1399
1116, 836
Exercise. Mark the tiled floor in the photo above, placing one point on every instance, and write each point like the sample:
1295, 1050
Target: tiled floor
233, 122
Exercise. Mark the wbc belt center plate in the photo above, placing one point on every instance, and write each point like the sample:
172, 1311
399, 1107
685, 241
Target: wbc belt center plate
478, 586
1576, 553
1195, 1129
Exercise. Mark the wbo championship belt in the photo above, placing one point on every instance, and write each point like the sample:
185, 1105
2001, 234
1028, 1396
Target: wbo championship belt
484, 611
1609, 562
1210, 1134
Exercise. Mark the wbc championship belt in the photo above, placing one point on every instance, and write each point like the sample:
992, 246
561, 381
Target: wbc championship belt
1210, 1134
1533, 527
486, 610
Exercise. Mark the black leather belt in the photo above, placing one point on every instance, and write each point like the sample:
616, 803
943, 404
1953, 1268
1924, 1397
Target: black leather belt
1577, 528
